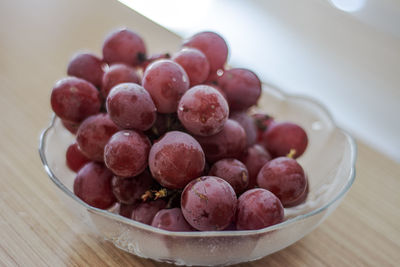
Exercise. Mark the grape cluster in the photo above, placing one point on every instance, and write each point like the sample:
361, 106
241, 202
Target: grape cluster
173, 141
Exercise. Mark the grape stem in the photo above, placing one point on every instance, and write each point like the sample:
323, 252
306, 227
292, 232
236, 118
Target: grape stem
291, 153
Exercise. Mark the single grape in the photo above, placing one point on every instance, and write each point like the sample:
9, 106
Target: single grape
124, 46
233, 171
72, 127
283, 137
171, 220
93, 134
130, 107
203, 110
153, 58
166, 81
230, 142
258, 208
88, 67
145, 212
126, 153
263, 122
116, 74
130, 190
212, 45
74, 99
208, 203
242, 88
195, 63
176, 159
74, 158
93, 185
254, 158
284, 177
248, 125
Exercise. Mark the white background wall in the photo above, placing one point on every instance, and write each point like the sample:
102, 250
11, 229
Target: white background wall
350, 61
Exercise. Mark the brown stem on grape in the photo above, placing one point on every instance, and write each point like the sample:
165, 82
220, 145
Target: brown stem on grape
161, 193
291, 153
147, 195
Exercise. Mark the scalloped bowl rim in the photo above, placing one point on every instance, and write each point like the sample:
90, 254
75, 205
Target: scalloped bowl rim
353, 151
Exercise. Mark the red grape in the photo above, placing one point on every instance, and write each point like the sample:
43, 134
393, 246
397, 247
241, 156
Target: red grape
195, 63
116, 74
153, 58
145, 212
232, 171
263, 122
93, 185
208, 203
212, 45
203, 110
257, 209
228, 143
176, 159
72, 127
74, 158
93, 134
124, 46
166, 81
282, 137
88, 67
130, 190
130, 107
242, 88
248, 125
171, 220
284, 177
74, 99
254, 158
126, 153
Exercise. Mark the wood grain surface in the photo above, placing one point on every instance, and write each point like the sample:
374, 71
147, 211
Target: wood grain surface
37, 38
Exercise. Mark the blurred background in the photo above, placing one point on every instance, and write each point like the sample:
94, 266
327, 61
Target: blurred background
344, 53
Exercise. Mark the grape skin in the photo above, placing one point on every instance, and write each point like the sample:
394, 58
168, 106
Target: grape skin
208, 203
203, 110
130, 107
233, 171
230, 142
166, 81
212, 45
93, 134
117, 74
124, 46
254, 158
88, 67
171, 220
74, 158
74, 99
248, 125
284, 177
257, 209
126, 153
176, 159
145, 212
93, 185
242, 88
282, 137
195, 63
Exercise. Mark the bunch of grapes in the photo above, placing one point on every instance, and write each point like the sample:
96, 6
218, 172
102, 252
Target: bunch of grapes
170, 141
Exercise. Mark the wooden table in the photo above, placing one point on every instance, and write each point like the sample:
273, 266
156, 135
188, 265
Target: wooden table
37, 39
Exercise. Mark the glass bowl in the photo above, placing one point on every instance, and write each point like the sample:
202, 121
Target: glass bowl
329, 162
